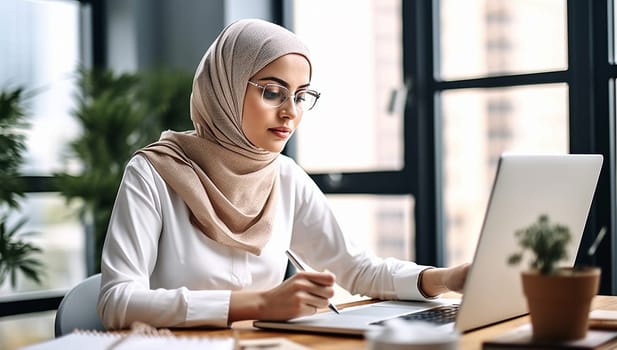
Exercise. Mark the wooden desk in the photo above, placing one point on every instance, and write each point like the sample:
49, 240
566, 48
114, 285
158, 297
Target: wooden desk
469, 341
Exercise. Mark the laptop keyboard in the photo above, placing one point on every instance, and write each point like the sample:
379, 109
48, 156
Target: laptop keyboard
439, 315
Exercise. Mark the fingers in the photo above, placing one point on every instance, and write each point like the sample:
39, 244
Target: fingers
300, 295
456, 277
320, 278
312, 301
308, 310
311, 290
316, 284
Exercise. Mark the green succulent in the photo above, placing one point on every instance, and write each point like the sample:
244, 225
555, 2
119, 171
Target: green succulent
547, 243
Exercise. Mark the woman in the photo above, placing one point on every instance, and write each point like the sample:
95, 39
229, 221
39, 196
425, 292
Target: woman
203, 218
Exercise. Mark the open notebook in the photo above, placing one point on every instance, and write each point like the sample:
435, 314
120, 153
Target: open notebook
92, 340
525, 186
95, 340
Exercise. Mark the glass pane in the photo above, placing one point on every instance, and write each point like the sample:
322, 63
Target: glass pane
480, 124
40, 52
383, 224
54, 227
485, 37
352, 128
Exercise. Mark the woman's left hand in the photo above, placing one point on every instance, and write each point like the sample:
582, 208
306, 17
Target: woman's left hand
436, 281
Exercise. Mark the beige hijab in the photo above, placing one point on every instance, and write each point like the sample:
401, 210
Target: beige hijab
229, 185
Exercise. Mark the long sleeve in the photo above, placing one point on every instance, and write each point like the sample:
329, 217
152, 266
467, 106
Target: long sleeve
319, 240
129, 259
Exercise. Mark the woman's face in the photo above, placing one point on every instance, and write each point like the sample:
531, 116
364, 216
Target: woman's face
270, 127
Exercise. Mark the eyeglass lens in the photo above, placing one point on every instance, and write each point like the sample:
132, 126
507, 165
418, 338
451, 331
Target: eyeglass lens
275, 95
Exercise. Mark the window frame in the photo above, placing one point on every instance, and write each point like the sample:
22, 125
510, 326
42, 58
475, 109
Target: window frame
590, 99
93, 16
588, 76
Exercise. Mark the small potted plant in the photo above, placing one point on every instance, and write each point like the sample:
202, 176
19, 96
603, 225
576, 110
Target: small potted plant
559, 298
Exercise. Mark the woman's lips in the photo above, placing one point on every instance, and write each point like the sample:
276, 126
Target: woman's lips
281, 132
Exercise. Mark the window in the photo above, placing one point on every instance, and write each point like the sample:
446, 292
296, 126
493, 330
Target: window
41, 54
479, 125
491, 37
356, 130
520, 76
481, 78
495, 37
382, 223
357, 125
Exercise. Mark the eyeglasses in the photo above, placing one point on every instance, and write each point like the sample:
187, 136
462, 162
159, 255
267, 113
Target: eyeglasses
275, 95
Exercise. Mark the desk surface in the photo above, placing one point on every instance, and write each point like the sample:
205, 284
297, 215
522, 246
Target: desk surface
469, 341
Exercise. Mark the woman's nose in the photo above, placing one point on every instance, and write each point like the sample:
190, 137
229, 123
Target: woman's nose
289, 108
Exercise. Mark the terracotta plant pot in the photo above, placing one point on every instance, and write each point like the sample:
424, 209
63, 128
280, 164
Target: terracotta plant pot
559, 304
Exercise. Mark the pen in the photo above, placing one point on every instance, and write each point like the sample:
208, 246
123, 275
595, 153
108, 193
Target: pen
596, 242
296, 263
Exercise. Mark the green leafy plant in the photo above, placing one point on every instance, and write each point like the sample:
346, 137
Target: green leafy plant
110, 120
12, 146
118, 114
15, 254
166, 93
547, 243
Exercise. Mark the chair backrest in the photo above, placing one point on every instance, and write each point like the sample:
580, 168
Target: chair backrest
78, 307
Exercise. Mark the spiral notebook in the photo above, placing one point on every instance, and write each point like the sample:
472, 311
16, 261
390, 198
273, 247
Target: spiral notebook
92, 340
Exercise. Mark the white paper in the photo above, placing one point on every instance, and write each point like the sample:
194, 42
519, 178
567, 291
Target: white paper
603, 315
102, 341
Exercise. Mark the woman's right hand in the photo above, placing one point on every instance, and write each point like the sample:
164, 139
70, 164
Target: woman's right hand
301, 294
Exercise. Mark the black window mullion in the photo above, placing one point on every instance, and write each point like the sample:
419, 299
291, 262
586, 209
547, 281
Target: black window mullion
603, 141
592, 124
98, 11
38, 184
505, 80
382, 182
30, 302
421, 127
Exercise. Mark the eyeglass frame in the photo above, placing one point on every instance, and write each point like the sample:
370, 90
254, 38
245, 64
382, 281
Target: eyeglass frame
289, 95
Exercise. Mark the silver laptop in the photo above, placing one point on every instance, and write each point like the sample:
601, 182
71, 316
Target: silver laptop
525, 186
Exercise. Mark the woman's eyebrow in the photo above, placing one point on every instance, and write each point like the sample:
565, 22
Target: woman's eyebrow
283, 82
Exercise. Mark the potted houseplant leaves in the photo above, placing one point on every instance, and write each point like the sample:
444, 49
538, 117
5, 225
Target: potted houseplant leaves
118, 113
559, 298
16, 255
111, 121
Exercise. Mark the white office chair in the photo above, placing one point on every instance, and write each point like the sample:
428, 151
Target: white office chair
78, 307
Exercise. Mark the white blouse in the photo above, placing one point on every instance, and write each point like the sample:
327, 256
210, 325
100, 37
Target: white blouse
157, 267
